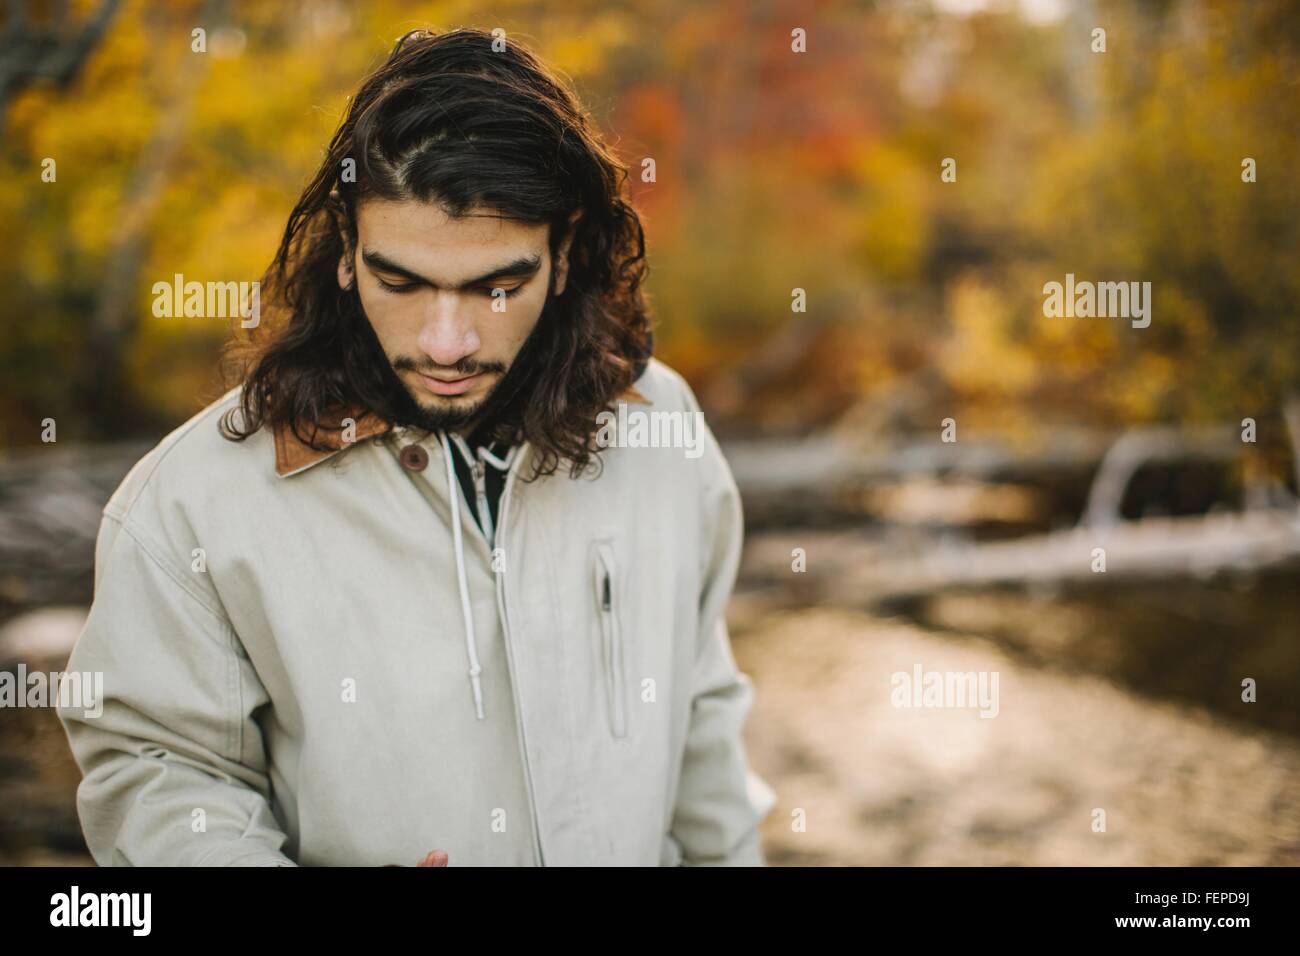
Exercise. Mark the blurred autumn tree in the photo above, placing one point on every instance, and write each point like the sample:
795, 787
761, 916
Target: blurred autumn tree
774, 170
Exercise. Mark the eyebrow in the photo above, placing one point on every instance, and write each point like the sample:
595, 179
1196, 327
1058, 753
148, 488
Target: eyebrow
517, 268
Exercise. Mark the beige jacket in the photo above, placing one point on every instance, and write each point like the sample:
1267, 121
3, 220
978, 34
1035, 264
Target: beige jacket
319, 659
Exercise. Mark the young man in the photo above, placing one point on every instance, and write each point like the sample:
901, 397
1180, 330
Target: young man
394, 599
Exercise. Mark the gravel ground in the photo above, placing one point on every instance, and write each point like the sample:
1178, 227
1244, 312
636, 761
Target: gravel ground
876, 784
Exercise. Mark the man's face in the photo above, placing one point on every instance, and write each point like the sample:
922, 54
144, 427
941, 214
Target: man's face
426, 283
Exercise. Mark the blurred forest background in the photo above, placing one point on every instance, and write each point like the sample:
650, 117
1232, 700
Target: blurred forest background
778, 171
775, 170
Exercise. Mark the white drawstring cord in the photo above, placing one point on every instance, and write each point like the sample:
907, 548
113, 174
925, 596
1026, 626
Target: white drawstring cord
502, 464
470, 645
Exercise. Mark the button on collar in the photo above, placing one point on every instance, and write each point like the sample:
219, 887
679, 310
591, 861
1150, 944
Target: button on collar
414, 457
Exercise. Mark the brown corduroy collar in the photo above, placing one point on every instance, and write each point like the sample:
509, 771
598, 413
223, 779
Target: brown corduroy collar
293, 455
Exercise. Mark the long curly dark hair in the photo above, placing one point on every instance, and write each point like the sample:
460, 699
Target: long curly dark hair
449, 119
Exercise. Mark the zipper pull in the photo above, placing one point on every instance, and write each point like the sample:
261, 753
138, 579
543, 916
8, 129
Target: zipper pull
479, 471
606, 601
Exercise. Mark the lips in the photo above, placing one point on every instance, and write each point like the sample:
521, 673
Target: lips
456, 386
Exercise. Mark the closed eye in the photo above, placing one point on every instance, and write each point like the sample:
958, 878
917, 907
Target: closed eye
400, 289
406, 287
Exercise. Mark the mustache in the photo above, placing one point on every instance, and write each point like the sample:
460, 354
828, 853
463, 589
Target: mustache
463, 368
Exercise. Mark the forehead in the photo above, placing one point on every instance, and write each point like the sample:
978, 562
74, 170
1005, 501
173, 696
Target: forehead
419, 234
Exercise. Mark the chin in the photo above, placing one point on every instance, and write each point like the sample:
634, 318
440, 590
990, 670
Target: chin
444, 412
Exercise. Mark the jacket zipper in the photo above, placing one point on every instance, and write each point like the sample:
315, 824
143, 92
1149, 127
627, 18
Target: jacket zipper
484, 512
479, 472
505, 630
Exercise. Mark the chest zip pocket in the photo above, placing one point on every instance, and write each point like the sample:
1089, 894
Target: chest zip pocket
606, 585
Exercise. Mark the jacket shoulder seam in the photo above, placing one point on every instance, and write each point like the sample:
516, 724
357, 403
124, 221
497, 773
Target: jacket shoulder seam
171, 442
234, 727
151, 550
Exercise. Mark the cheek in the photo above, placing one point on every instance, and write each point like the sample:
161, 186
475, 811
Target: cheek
521, 316
387, 315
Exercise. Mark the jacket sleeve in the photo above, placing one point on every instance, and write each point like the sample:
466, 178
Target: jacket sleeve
174, 772
720, 800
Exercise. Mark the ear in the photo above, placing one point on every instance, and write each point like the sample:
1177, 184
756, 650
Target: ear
346, 262
562, 254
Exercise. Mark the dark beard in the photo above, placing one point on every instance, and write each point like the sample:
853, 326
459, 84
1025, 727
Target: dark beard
415, 415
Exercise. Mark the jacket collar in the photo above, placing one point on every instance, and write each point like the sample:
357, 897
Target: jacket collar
292, 455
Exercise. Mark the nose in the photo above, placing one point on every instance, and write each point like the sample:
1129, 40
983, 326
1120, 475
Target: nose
448, 333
